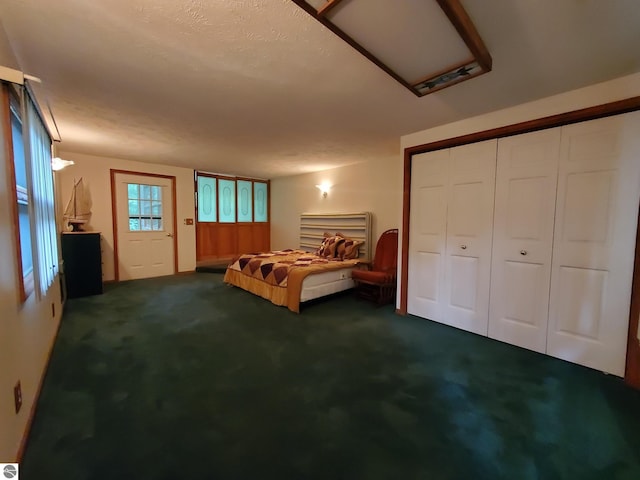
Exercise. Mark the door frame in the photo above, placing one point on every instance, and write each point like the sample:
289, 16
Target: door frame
114, 215
632, 377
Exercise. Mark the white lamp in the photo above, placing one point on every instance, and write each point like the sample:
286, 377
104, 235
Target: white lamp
58, 164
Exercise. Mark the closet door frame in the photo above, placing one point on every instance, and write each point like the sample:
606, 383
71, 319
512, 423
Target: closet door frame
575, 116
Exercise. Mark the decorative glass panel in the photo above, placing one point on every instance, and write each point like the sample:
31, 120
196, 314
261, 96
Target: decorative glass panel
145, 214
244, 201
260, 202
227, 200
206, 199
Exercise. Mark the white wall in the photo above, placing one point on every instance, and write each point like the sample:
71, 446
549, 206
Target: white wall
364, 187
27, 330
96, 175
606, 92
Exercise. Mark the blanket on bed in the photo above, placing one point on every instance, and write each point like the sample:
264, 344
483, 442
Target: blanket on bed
283, 270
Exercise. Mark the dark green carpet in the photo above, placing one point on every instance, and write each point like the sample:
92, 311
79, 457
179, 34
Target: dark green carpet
185, 377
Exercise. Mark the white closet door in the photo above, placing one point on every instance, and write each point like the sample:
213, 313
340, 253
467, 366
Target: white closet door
469, 231
594, 241
427, 235
526, 179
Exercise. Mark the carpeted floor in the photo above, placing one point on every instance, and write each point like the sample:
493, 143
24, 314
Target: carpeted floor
185, 377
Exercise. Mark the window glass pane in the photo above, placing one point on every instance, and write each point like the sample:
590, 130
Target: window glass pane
206, 199
134, 224
244, 201
133, 207
145, 214
22, 199
132, 190
145, 192
227, 200
25, 239
18, 152
260, 201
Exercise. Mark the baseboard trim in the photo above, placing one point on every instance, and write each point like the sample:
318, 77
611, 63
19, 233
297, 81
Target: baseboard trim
32, 412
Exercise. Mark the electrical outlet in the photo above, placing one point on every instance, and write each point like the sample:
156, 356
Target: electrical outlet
17, 396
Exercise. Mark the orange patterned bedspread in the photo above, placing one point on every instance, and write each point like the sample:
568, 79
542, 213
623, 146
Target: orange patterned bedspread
278, 275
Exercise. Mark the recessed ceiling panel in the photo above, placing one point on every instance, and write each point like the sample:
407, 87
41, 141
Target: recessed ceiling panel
425, 45
396, 34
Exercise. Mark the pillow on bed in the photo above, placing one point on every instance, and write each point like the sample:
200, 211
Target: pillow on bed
329, 246
348, 249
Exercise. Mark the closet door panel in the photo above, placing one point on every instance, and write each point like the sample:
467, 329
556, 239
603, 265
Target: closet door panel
469, 233
427, 237
526, 180
596, 220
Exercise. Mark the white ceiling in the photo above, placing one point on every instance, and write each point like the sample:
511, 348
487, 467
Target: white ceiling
259, 88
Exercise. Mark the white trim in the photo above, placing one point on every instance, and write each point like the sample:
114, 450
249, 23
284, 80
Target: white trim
10, 75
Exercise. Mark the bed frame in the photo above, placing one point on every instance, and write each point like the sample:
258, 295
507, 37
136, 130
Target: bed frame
354, 225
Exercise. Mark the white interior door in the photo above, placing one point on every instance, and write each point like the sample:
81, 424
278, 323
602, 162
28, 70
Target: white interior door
144, 206
427, 235
470, 202
526, 179
594, 242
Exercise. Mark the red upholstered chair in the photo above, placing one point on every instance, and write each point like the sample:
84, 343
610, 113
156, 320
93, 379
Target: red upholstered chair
378, 283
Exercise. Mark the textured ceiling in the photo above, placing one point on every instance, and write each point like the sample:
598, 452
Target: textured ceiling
259, 88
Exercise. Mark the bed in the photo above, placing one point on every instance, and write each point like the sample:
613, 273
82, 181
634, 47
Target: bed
331, 246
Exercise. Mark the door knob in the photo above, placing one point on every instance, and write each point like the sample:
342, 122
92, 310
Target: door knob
464, 247
169, 234
523, 252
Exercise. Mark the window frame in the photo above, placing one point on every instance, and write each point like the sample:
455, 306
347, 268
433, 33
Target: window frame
26, 284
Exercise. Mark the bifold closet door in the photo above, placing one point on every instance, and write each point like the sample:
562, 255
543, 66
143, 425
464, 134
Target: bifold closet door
472, 170
594, 242
427, 234
526, 179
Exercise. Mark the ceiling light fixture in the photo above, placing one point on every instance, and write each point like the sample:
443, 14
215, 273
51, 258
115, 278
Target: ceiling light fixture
426, 45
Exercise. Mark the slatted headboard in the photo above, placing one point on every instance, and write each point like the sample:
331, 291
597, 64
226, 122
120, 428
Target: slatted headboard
354, 225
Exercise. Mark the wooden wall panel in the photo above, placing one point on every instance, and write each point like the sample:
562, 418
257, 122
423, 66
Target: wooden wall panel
261, 237
220, 240
245, 238
227, 239
206, 245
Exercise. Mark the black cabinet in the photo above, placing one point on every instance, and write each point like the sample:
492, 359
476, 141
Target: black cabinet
82, 263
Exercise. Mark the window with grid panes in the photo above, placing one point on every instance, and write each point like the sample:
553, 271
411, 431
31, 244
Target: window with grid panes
145, 207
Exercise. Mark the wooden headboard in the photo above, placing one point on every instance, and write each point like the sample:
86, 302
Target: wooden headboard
354, 225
